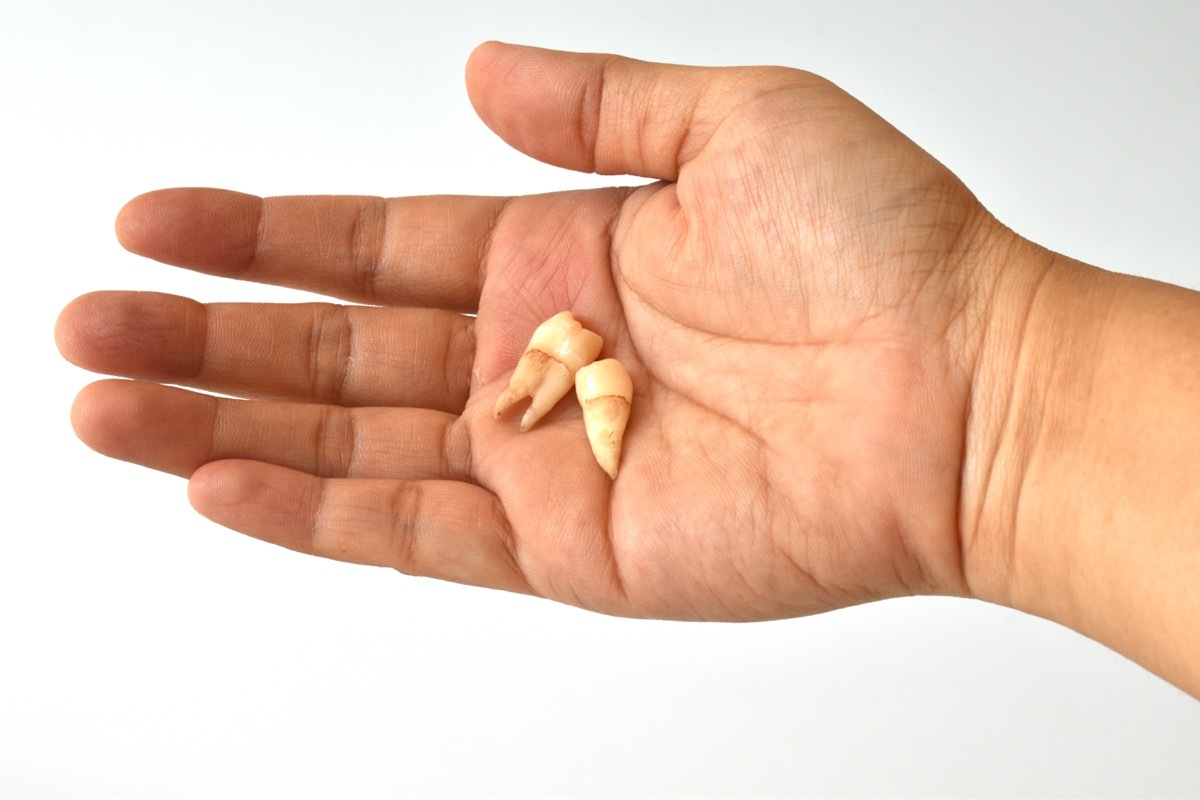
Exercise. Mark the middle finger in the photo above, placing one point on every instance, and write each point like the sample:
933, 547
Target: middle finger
314, 352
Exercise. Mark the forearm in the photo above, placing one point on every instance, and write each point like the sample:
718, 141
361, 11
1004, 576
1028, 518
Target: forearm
1090, 514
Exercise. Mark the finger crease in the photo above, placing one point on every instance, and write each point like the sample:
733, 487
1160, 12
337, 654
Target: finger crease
260, 235
404, 507
205, 326
331, 347
455, 451
460, 349
335, 442
367, 235
485, 242
591, 105
318, 530
509, 542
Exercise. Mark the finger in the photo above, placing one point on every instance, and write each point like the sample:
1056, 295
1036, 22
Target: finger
318, 352
177, 431
607, 114
417, 251
440, 529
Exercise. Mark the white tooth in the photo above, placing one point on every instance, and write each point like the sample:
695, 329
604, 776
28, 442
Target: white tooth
605, 392
557, 349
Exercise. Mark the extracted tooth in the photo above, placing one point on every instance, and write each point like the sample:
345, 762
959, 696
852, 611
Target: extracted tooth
557, 349
605, 392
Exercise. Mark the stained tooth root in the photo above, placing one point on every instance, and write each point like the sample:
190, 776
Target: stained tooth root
557, 349
605, 392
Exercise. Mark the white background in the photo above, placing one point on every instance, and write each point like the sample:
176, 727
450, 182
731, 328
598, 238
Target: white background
147, 652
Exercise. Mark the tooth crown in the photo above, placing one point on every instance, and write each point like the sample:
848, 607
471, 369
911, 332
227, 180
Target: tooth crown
565, 340
557, 349
603, 378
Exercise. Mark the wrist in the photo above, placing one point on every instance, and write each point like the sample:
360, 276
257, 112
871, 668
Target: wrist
1079, 502
1033, 373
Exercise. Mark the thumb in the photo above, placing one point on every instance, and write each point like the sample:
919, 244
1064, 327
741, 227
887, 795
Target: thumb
604, 113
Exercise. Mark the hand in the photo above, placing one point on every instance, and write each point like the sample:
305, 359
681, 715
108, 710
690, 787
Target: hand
800, 301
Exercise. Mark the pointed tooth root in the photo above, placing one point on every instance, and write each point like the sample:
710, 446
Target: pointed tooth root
606, 394
605, 419
558, 347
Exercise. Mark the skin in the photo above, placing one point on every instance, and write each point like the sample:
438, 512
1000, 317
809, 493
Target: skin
849, 378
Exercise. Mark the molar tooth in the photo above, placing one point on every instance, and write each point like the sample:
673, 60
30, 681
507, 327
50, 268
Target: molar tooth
605, 392
557, 349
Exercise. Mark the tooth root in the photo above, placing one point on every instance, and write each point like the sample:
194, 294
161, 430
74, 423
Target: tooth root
556, 382
532, 367
606, 394
605, 419
558, 347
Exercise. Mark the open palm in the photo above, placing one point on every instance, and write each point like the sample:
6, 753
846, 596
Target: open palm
790, 300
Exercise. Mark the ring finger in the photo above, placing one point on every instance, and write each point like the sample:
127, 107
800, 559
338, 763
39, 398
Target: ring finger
178, 431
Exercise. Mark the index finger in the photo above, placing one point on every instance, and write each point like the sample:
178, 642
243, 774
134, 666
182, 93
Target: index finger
411, 251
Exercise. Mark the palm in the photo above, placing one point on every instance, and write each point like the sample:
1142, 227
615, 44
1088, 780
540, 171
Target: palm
782, 433
787, 311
